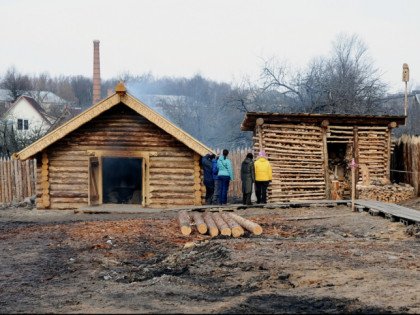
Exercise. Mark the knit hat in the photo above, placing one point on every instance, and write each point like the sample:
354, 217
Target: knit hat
262, 153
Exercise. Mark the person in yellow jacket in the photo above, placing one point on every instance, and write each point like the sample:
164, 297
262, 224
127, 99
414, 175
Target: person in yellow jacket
263, 177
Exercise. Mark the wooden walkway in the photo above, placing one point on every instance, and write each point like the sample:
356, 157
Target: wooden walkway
389, 210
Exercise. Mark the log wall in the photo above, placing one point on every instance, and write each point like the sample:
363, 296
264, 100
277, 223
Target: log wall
174, 179
372, 145
296, 156
303, 167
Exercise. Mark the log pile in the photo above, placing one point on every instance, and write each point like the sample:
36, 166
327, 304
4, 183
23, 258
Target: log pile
226, 224
297, 161
375, 150
386, 193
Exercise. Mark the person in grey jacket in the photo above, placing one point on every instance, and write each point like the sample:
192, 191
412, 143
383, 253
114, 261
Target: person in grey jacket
248, 178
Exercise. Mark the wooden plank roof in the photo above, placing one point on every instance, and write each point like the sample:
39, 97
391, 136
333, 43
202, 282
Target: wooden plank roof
249, 121
103, 106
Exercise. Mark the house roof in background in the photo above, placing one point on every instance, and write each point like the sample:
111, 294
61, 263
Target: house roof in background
45, 96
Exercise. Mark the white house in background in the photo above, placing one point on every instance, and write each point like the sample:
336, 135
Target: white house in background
46, 99
28, 117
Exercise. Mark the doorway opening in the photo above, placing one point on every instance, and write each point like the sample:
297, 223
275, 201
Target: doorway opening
339, 159
122, 180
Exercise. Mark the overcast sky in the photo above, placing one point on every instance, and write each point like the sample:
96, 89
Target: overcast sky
223, 40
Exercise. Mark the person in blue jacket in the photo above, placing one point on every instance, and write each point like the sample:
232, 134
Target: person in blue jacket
208, 176
215, 199
225, 176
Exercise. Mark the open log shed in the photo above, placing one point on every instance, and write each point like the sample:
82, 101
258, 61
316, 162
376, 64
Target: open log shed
308, 152
117, 151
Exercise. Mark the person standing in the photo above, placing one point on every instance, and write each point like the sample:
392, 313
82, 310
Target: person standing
215, 199
225, 176
263, 177
248, 178
208, 177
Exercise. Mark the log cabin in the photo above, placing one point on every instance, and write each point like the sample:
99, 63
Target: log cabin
119, 151
310, 154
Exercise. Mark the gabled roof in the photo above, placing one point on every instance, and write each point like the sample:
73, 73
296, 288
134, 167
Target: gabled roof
103, 106
38, 108
250, 119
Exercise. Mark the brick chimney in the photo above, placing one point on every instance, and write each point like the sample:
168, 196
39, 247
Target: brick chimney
96, 73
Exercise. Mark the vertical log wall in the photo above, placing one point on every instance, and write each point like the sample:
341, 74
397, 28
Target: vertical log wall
17, 179
405, 164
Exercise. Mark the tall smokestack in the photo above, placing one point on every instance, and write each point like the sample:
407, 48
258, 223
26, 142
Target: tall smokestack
96, 73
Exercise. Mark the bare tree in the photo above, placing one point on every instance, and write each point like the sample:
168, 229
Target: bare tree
16, 83
12, 140
344, 82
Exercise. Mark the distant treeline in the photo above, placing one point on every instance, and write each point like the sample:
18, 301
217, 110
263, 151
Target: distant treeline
344, 82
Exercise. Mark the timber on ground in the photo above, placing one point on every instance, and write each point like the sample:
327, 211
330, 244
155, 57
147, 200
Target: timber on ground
392, 211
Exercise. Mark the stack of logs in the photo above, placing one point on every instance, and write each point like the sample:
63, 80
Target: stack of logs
296, 156
386, 193
227, 224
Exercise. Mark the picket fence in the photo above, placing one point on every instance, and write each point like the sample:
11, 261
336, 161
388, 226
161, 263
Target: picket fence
236, 156
17, 179
405, 162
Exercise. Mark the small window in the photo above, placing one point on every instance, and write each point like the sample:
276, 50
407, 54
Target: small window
22, 124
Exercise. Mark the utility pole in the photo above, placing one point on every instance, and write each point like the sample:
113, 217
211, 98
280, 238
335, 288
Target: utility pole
405, 78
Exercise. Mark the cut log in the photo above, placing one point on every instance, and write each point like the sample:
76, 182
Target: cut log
199, 223
212, 227
236, 229
335, 190
184, 222
221, 224
247, 224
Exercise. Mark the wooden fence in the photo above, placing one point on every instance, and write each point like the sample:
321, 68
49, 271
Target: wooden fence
236, 156
405, 162
17, 179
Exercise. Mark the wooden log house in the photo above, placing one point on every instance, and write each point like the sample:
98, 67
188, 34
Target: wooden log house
311, 152
118, 151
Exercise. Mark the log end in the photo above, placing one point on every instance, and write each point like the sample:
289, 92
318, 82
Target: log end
226, 232
214, 232
202, 228
237, 231
186, 230
257, 230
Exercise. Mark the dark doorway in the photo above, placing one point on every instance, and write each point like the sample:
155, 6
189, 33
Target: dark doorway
339, 158
122, 180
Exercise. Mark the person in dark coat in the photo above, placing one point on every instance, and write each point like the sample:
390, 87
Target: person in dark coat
248, 178
215, 199
208, 176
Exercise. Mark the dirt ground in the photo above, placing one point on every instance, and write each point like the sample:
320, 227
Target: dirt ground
316, 259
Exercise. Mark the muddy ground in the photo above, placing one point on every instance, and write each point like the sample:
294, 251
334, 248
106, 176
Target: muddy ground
316, 259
